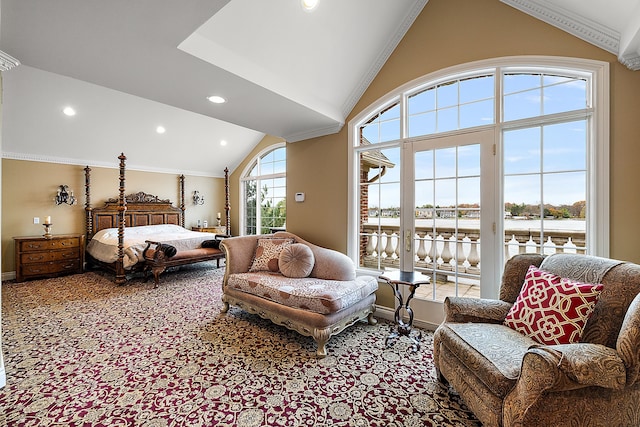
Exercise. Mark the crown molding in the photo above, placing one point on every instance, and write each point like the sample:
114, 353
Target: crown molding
100, 164
382, 58
314, 133
579, 26
631, 61
7, 61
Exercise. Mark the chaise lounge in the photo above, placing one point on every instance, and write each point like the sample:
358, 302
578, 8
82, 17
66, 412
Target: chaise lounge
293, 283
508, 378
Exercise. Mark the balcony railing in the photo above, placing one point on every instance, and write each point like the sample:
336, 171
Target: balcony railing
438, 249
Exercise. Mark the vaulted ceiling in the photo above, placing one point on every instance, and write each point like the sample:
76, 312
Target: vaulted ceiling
128, 67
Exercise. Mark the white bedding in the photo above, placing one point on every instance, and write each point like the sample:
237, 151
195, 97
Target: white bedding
104, 244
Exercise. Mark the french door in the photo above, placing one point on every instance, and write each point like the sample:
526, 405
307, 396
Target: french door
448, 218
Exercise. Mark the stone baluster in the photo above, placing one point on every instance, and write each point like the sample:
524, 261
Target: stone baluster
507, 245
389, 249
370, 245
446, 254
421, 252
433, 252
473, 258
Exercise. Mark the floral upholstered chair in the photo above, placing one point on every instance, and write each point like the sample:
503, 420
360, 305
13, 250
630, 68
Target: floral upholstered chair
576, 365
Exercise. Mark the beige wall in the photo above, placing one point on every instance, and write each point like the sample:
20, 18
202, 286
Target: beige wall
448, 33
28, 189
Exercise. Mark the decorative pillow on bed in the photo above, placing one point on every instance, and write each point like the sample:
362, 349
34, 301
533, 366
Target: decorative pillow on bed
296, 260
267, 254
552, 310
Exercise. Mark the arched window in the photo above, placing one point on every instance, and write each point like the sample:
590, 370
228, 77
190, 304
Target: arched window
264, 191
455, 172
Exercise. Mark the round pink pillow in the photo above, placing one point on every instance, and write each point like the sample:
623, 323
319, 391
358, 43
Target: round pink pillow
296, 260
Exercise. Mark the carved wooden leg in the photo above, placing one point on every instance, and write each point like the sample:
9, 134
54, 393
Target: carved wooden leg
321, 336
322, 350
157, 270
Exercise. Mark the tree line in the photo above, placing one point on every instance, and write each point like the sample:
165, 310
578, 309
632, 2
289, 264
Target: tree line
576, 210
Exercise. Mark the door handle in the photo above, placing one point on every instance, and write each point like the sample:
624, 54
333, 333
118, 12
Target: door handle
407, 240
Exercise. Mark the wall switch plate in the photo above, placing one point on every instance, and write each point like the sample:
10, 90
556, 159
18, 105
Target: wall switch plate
36, 220
299, 197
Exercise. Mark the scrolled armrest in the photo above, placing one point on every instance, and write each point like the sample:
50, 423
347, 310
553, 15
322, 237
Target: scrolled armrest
461, 310
578, 365
548, 369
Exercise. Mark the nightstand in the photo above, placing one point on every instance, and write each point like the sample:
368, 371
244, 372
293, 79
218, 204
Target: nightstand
38, 257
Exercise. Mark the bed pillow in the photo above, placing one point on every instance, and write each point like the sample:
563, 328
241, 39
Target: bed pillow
267, 253
552, 310
296, 260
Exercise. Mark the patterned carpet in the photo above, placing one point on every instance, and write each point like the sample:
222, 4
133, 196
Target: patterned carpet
81, 351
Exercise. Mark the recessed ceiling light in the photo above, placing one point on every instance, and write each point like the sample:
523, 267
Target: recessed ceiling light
309, 5
216, 99
69, 111
223, 142
161, 129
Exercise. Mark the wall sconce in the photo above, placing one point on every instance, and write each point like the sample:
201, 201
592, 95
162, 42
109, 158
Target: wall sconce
65, 196
197, 198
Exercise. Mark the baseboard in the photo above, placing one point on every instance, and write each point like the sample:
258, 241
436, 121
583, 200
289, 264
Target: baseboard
384, 312
389, 314
10, 275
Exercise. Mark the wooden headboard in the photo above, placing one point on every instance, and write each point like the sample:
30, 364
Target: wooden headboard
141, 209
138, 208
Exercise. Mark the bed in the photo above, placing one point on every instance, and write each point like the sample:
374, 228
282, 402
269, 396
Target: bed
128, 233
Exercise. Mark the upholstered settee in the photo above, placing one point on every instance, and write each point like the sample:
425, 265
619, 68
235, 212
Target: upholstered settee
296, 284
509, 379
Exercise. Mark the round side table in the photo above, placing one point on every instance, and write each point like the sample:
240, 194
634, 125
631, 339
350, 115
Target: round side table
413, 280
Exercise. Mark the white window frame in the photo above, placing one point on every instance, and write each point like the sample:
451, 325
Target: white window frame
244, 177
598, 139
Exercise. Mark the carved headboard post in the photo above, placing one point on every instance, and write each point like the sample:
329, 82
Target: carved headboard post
122, 207
226, 202
182, 207
87, 204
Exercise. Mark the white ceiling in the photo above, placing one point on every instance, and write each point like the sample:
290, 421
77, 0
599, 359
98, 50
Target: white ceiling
129, 66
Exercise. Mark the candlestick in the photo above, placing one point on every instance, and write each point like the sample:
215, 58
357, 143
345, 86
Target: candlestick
47, 229
47, 220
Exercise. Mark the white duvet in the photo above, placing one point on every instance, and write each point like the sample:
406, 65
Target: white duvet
104, 244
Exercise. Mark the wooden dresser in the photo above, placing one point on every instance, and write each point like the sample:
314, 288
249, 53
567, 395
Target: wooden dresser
38, 257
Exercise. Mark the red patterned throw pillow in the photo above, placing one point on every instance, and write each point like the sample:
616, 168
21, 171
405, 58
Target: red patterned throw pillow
552, 310
267, 254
